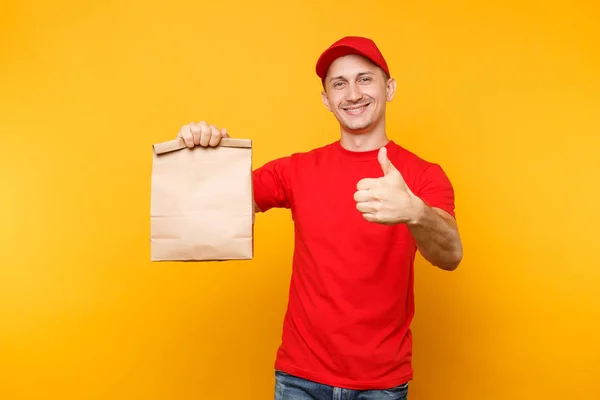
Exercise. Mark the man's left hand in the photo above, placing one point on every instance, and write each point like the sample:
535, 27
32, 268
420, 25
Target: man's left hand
387, 200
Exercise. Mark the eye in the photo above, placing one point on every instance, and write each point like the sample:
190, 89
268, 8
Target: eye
338, 84
365, 79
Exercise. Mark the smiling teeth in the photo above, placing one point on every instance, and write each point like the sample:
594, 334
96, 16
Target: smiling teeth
354, 110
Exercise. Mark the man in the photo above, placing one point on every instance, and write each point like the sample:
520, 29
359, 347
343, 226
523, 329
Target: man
361, 206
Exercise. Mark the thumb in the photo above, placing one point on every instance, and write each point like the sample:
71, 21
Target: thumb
386, 165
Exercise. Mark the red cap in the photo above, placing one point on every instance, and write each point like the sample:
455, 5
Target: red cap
350, 45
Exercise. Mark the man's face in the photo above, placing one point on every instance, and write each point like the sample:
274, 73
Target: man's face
356, 91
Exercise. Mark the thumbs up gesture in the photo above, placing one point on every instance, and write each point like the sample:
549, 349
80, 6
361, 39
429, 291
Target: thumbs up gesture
387, 200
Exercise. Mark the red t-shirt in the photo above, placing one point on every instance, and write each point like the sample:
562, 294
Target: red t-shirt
351, 293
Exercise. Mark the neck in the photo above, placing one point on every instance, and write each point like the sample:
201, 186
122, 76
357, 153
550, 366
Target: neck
372, 139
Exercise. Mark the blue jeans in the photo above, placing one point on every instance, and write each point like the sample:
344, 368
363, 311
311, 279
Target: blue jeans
288, 387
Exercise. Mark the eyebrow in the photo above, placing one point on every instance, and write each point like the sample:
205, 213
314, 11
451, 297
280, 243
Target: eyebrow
358, 75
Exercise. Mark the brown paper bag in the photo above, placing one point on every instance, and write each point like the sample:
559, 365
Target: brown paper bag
202, 206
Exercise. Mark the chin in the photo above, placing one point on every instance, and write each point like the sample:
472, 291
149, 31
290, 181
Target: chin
357, 128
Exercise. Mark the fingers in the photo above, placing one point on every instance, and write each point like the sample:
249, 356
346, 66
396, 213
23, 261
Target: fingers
186, 134
367, 196
368, 207
215, 136
367, 183
202, 134
370, 217
205, 134
363, 195
196, 130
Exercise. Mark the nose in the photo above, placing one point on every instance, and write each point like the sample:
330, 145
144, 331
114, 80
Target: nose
354, 94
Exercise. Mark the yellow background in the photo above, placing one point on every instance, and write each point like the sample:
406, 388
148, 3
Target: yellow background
505, 95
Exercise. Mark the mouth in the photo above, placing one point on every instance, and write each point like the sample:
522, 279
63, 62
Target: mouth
357, 109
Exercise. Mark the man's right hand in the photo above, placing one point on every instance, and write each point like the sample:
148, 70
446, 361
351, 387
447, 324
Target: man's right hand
201, 134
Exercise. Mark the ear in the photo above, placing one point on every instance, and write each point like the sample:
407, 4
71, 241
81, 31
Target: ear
325, 100
390, 89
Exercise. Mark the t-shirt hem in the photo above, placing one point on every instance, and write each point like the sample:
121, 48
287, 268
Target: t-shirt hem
342, 383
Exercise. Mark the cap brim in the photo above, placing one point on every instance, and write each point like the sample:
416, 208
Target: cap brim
333, 53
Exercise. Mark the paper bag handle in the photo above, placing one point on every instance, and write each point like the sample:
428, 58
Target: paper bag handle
178, 144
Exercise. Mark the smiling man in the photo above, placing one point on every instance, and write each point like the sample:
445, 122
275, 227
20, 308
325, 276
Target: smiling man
362, 206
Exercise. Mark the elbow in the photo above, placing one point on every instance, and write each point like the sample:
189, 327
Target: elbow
451, 261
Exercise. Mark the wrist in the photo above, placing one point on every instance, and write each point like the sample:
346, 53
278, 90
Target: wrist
418, 211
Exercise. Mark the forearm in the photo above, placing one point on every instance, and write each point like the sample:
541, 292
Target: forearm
437, 237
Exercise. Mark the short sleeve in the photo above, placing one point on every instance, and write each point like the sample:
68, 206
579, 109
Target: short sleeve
435, 189
272, 184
